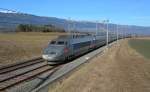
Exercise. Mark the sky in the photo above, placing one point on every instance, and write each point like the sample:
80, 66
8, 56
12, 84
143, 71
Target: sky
128, 12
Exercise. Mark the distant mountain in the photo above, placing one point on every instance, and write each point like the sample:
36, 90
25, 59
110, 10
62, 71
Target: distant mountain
9, 21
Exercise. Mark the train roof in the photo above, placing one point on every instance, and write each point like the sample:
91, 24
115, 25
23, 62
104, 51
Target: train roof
64, 37
73, 38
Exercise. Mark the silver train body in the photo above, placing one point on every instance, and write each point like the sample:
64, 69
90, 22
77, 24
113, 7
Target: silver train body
65, 47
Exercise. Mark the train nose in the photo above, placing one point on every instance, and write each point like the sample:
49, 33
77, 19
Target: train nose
52, 53
49, 56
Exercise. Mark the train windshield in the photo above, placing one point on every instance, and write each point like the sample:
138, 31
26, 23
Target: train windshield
60, 42
53, 42
57, 43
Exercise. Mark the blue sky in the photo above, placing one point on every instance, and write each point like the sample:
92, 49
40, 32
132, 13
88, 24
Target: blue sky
132, 12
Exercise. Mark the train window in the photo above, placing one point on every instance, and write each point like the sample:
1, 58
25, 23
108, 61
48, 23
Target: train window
81, 45
60, 42
53, 42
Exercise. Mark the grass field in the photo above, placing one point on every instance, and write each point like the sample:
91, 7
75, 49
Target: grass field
15, 47
142, 46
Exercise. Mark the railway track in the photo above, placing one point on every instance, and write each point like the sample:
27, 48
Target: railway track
13, 75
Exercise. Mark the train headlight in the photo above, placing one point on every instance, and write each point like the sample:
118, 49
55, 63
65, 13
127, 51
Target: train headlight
48, 57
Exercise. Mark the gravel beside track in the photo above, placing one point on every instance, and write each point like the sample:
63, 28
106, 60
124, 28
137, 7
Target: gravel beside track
15, 74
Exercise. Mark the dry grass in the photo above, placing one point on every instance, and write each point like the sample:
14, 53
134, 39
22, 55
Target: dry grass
120, 69
15, 47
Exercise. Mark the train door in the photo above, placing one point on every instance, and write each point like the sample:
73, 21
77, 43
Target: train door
70, 45
93, 42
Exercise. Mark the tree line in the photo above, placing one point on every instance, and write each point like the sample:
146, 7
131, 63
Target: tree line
38, 28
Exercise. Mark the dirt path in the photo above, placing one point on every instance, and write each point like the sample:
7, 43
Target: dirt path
120, 69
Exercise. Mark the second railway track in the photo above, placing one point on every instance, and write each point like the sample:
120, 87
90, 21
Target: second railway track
14, 74
12, 67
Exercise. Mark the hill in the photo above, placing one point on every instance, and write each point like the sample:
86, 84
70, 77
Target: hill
9, 21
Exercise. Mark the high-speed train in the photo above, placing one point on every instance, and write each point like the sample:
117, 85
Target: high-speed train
66, 47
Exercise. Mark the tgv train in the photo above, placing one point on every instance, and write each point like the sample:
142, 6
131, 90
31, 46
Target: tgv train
66, 47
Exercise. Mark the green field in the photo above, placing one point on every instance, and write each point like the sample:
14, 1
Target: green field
142, 46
